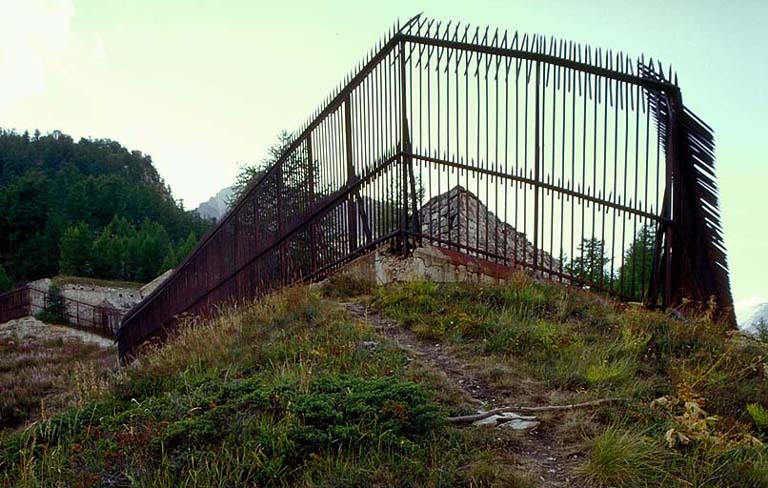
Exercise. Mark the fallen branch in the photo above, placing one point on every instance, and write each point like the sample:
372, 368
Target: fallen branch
468, 419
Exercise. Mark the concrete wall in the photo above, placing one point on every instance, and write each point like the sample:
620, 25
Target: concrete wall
76, 295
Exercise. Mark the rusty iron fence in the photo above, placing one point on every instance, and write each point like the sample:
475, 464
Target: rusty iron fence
579, 164
14, 304
28, 301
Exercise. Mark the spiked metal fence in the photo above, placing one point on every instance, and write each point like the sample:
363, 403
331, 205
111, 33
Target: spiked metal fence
577, 163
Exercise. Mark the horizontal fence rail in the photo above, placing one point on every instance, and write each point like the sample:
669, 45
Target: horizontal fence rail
576, 163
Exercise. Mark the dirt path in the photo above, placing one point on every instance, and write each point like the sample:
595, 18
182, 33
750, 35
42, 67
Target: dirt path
536, 449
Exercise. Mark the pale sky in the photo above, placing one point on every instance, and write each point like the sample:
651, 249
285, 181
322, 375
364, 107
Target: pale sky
202, 85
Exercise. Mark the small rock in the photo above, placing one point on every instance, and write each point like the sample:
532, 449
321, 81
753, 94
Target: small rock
509, 420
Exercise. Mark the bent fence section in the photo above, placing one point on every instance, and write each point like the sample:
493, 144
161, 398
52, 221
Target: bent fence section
29, 301
577, 163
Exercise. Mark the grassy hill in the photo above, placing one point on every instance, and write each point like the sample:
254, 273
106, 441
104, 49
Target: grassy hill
350, 385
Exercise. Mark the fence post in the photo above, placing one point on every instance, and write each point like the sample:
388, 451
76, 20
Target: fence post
311, 188
351, 205
673, 247
404, 149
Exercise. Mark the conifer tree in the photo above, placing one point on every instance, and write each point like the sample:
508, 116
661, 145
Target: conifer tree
590, 262
5, 282
635, 273
186, 247
76, 246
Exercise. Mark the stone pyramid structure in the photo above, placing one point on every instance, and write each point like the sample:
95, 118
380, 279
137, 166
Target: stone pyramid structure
459, 216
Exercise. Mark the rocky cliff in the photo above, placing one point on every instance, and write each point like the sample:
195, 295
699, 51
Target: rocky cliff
216, 206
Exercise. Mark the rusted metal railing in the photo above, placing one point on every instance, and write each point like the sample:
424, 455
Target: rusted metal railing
577, 163
14, 304
28, 301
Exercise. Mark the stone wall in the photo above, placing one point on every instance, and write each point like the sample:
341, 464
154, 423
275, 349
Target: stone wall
456, 216
426, 263
120, 299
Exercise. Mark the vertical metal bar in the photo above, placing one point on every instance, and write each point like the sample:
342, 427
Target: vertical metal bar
476, 164
280, 224
537, 146
435, 150
351, 204
311, 198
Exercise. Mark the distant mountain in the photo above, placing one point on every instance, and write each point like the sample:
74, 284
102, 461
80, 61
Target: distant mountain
754, 316
216, 206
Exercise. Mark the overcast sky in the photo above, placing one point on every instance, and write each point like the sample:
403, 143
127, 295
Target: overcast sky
204, 85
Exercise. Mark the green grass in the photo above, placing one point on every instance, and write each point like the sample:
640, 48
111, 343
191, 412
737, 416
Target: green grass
545, 343
289, 392
278, 393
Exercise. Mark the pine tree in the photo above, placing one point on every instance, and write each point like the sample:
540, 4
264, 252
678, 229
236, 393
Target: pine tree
5, 281
590, 262
153, 247
250, 174
48, 183
75, 258
110, 250
635, 273
185, 248
55, 311
169, 261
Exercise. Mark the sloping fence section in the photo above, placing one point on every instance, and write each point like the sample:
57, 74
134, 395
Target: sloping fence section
29, 301
588, 158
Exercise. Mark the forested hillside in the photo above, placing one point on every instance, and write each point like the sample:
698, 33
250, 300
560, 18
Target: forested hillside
88, 208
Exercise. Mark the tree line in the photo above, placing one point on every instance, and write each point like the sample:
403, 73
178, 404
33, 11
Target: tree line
121, 251
591, 264
68, 206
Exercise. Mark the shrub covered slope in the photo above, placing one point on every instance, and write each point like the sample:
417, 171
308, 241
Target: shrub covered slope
293, 391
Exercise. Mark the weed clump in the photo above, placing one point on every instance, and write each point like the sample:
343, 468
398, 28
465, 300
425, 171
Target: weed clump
623, 458
759, 416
